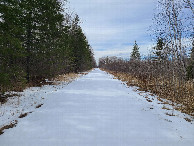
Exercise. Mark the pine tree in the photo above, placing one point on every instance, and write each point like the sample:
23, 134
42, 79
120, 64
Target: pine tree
11, 50
135, 55
159, 49
81, 50
43, 23
38, 41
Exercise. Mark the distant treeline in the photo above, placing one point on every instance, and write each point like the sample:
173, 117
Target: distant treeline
38, 40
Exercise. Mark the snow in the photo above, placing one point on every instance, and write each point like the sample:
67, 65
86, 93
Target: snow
97, 110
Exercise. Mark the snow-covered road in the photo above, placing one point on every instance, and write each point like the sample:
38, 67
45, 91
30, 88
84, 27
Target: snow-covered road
97, 110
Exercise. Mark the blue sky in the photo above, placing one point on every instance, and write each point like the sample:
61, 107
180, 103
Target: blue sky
112, 26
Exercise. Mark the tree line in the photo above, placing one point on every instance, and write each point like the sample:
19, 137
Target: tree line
168, 70
39, 40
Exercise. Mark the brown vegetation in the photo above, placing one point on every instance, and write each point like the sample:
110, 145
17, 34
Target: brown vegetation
149, 76
11, 125
65, 77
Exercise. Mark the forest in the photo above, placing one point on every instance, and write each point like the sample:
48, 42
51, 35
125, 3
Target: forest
39, 39
168, 70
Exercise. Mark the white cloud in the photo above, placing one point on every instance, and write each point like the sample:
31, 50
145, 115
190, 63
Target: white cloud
112, 26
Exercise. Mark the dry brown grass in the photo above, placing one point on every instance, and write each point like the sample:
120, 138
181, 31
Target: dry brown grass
182, 95
65, 77
11, 125
68, 77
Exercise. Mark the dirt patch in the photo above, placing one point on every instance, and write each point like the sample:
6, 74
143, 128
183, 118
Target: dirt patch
3, 100
23, 115
166, 108
11, 125
38, 106
168, 120
149, 100
168, 114
4, 97
187, 119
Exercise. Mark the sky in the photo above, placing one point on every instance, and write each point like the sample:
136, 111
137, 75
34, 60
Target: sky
112, 26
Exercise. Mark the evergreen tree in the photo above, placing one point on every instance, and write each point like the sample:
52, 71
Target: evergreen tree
11, 49
38, 41
135, 55
159, 49
81, 50
43, 23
